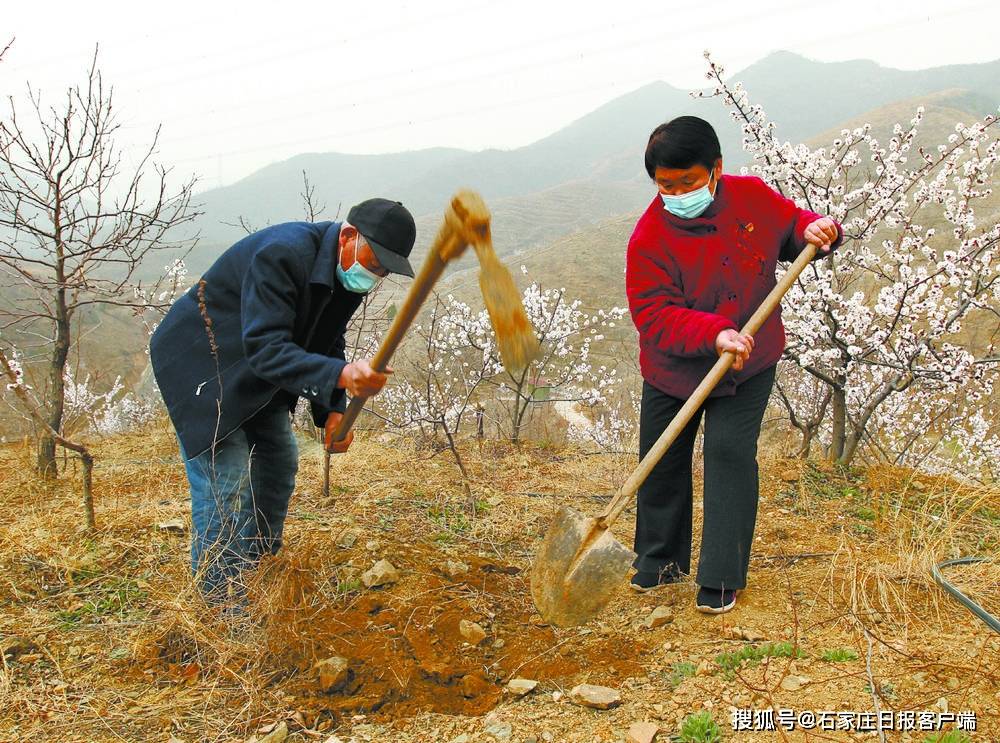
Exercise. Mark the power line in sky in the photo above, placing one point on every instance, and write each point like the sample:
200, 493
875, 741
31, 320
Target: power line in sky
658, 41
589, 87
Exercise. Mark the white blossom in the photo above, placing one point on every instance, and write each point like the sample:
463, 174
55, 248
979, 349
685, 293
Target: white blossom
879, 321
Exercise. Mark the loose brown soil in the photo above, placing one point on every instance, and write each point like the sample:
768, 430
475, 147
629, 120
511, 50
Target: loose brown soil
405, 651
104, 637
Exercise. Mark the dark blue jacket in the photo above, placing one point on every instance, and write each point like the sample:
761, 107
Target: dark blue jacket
278, 316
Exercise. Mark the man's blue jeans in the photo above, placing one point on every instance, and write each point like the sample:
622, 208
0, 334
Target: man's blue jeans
239, 498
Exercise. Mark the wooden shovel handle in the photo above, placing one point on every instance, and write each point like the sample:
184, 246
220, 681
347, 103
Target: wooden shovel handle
684, 415
467, 220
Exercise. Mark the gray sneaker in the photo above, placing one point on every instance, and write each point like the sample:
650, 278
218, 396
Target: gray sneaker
715, 601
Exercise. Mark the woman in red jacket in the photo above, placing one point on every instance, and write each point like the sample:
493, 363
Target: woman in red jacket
700, 261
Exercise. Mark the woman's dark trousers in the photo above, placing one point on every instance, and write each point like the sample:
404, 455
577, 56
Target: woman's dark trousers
663, 520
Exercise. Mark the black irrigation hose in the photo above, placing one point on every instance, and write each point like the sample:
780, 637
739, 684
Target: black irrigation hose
971, 605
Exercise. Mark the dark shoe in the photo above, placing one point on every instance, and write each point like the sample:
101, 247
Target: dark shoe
715, 601
645, 582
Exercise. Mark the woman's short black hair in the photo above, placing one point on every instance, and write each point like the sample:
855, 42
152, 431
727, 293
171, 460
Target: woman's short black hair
682, 143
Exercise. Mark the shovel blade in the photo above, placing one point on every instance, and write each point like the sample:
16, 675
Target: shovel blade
577, 569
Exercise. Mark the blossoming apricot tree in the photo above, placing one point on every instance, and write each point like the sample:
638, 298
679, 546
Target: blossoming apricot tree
896, 330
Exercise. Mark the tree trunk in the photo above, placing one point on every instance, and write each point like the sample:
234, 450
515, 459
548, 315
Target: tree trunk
469, 500
88, 491
46, 461
839, 435
60, 352
519, 412
850, 447
807, 437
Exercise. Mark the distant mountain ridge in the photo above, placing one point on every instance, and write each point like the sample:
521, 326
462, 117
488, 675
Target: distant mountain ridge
590, 148
602, 149
804, 96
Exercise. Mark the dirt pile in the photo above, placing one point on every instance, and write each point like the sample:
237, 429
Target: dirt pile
404, 645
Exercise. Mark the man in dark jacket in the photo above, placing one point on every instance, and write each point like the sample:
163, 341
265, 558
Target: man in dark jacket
264, 326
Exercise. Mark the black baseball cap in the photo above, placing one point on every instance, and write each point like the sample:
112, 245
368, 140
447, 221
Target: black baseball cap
389, 229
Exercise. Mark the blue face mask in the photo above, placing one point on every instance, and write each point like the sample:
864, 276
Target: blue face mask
690, 204
357, 278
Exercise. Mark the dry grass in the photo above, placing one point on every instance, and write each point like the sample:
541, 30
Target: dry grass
108, 640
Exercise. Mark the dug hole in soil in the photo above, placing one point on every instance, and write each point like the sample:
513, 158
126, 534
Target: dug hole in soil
403, 643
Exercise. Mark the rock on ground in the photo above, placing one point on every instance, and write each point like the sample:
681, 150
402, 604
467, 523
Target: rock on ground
277, 735
595, 697
380, 574
794, 683
660, 616
744, 633
643, 732
454, 569
471, 631
332, 672
500, 730
347, 539
520, 687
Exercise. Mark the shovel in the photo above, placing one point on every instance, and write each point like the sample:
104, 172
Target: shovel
580, 563
466, 221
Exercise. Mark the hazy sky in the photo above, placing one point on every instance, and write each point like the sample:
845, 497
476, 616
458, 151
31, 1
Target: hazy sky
239, 85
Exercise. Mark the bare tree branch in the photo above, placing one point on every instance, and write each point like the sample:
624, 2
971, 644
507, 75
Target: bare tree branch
77, 227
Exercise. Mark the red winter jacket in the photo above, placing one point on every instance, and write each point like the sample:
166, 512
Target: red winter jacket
689, 279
